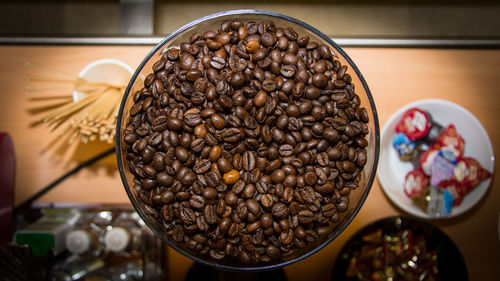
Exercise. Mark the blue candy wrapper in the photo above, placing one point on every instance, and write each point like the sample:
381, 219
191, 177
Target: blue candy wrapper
440, 202
404, 146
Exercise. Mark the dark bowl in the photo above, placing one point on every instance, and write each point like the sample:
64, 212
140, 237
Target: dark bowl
357, 196
450, 263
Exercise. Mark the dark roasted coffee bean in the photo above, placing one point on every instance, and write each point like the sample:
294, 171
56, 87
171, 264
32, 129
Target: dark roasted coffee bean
210, 214
238, 187
266, 200
306, 216
277, 176
187, 215
201, 223
280, 210
217, 62
202, 166
248, 161
231, 135
308, 194
253, 206
242, 210
196, 201
209, 193
181, 154
325, 51
348, 166
342, 205
288, 71
295, 124
328, 210
322, 177
249, 191
286, 150
192, 119
322, 159
262, 187
177, 233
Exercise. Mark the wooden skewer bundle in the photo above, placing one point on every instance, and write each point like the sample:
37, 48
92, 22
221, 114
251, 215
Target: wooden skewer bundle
91, 118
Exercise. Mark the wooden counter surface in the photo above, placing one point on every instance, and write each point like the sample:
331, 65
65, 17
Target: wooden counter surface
396, 77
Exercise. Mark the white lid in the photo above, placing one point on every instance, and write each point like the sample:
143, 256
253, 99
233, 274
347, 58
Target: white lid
78, 241
117, 239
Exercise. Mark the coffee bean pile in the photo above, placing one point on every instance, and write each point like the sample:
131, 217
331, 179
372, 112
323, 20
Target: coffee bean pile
246, 142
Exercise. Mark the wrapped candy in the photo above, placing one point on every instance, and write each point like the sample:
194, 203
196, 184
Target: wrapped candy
427, 159
393, 256
442, 175
434, 201
470, 173
450, 138
456, 189
415, 183
405, 148
434, 131
443, 166
415, 124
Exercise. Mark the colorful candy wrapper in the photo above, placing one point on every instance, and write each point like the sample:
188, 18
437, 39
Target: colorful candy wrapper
415, 183
415, 124
443, 165
457, 190
405, 148
451, 138
470, 173
440, 202
434, 131
427, 159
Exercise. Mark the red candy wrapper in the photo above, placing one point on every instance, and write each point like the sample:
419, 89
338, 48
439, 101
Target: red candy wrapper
469, 173
451, 138
457, 190
427, 159
415, 183
415, 124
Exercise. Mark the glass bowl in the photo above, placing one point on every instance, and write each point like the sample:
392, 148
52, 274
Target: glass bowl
254, 244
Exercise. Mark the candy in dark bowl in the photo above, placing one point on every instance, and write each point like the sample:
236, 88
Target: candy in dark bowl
247, 140
400, 248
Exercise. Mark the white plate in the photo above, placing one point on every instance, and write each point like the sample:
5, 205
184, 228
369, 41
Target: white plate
392, 171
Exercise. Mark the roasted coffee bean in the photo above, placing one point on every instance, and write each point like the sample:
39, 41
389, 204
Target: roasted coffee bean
253, 206
231, 135
202, 166
322, 177
306, 216
238, 187
196, 201
308, 194
242, 210
231, 176
210, 214
262, 187
277, 176
187, 215
201, 223
266, 200
286, 150
279, 210
248, 161
322, 159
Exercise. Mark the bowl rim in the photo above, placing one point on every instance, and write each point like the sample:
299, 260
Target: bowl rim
370, 180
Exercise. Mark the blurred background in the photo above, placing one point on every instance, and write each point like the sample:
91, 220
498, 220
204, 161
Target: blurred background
405, 19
